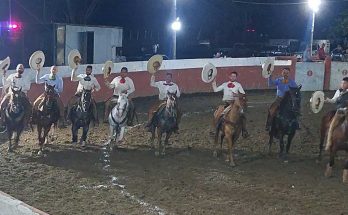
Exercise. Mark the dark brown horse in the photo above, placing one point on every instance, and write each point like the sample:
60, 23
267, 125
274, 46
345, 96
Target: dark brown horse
228, 126
338, 143
165, 121
14, 116
45, 114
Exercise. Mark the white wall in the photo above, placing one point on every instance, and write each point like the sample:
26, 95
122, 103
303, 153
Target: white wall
310, 75
339, 70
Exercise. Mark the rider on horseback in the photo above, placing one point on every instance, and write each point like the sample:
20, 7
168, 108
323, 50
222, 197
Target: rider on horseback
55, 80
283, 83
120, 84
86, 81
231, 89
341, 100
164, 87
15, 80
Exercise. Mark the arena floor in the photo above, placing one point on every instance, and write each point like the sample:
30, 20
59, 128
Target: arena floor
72, 180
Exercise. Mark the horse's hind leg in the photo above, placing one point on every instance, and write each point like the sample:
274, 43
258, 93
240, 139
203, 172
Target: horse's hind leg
345, 173
328, 171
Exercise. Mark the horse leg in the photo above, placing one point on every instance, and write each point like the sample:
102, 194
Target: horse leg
281, 145
152, 139
74, 131
39, 133
328, 172
18, 134
159, 139
216, 141
345, 173
165, 143
230, 145
288, 144
270, 141
84, 135
9, 133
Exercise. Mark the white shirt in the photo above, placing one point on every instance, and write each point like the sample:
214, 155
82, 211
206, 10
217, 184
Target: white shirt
165, 87
229, 88
338, 93
12, 81
83, 83
119, 87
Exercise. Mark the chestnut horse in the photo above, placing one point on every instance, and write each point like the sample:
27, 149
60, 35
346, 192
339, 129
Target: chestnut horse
339, 142
228, 126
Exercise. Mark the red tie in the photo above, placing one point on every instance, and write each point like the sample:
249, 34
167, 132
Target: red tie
122, 81
230, 85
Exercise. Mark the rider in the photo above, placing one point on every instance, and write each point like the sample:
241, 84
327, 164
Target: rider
341, 100
15, 80
283, 83
164, 87
121, 85
55, 80
231, 89
86, 81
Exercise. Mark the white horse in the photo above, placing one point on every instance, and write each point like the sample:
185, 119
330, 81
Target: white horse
118, 120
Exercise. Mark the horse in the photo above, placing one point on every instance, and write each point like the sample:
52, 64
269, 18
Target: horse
80, 116
14, 117
338, 143
45, 115
285, 122
118, 119
228, 126
164, 121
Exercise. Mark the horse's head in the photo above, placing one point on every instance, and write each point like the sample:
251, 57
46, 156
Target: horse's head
86, 99
122, 105
49, 95
171, 99
295, 98
16, 100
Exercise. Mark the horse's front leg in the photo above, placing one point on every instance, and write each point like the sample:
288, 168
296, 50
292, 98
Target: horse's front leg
84, 135
216, 141
230, 151
281, 145
159, 139
9, 133
166, 140
18, 134
152, 139
288, 144
74, 131
328, 171
270, 141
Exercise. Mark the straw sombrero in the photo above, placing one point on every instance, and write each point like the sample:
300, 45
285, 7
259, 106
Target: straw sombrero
209, 72
37, 60
154, 63
5, 64
267, 67
107, 68
74, 58
317, 101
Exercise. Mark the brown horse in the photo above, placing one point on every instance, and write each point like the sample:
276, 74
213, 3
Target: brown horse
229, 126
339, 142
45, 114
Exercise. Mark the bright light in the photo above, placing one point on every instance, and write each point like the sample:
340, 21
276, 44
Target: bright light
176, 25
314, 5
13, 26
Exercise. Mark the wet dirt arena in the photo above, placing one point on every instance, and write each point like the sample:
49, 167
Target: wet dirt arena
70, 180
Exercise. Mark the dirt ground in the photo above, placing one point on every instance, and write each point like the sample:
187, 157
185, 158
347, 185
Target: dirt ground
72, 180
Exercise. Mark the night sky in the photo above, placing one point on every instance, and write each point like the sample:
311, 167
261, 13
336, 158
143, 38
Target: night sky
207, 16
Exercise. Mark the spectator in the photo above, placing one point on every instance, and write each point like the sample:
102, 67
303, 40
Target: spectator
321, 52
337, 53
307, 55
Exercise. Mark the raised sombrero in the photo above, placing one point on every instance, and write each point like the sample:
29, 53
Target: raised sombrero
5, 64
209, 72
37, 60
74, 58
267, 67
107, 68
154, 63
317, 101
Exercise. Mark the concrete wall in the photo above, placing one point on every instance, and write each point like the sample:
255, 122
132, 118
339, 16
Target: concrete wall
339, 70
310, 75
12, 206
104, 39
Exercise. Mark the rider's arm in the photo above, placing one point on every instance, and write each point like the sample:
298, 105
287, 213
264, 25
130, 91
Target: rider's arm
217, 89
334, 98
37, 79
6, 82
152, 82
26, 86
74, 77
60, 85
110, 85
131, 87
292, 84
96, 84
177, 91
272, 82
241, 90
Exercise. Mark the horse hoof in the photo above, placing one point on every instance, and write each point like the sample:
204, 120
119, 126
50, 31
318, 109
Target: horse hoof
328, 172
74, 143
215, 154
163, 153
232, 164
156, 154
9, 149
83, 144
345, 176
39, 152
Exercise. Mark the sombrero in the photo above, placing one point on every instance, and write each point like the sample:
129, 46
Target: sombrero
5, 64
267, 67
74, 58
37, 60
154, 63
107, 68
317, 101
209, 72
